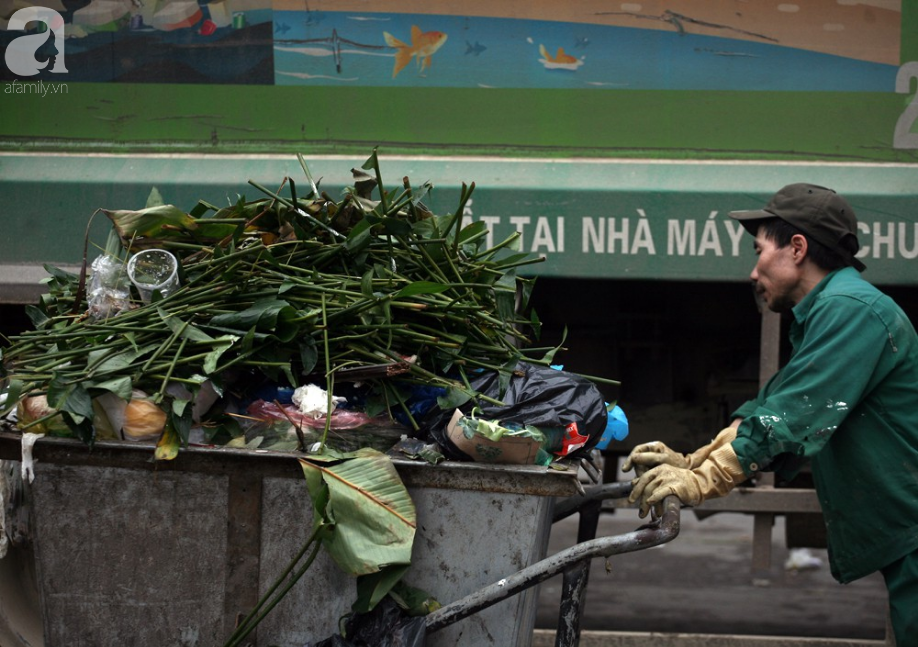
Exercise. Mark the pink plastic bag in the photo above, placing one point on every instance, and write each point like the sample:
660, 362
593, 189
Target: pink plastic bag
340, 418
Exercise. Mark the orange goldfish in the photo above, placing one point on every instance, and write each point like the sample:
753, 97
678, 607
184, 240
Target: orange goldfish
423, 45
560, 57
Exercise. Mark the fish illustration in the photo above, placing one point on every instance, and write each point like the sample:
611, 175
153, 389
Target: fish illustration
582, 41
560, 61
475, 49
281, 28
423, 45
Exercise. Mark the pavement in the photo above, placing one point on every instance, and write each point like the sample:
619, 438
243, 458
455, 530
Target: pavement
702, 583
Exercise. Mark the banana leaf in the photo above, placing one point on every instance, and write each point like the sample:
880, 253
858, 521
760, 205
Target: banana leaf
361, 497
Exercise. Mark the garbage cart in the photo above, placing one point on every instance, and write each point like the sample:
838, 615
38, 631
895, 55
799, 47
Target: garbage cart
128, 551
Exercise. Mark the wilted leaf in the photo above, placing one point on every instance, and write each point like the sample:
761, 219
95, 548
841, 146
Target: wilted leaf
167, 447
154, 222
373, 516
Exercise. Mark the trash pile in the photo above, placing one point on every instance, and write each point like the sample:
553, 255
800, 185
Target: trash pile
298, 321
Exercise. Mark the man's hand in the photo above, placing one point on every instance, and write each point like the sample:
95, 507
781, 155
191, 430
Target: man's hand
660, 482
714, 477
649, 455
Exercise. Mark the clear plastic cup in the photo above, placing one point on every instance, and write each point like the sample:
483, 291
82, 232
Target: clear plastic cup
153, 270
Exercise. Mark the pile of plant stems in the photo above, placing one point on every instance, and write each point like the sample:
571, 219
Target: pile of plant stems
287, 289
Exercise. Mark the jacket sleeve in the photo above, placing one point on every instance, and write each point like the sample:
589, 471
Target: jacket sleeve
840, 353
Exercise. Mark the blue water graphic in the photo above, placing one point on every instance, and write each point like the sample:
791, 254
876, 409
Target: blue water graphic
505, 53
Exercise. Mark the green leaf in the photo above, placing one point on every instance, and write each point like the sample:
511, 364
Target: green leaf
268, 316
178, 406
366, 283
420, 287
309, 354
536, 324
473, 229
505, 374
419, 194
373, 515
445, 223
179, 419
371, 163
224, 343
359, 237
550, 355
13, 391
505, 296
184, 329
81, 427
201, 208
267, 255
155, 199
395, 226
454, 398
120, 386
72, 398
36, 316
415, 601
109, 360
373, 587
248, 340
132, 340
61, 275
426, 229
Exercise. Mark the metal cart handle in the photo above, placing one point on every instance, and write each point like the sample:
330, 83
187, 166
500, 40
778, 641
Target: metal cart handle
664, 529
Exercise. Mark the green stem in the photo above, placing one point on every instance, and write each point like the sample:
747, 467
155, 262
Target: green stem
401, 402
159, 395
329, 376
256, 615
509, 240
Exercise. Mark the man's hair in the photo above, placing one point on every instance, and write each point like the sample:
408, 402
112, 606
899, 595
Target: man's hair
781, 232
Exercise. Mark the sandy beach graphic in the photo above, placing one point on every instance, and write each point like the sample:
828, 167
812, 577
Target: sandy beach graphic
866, 30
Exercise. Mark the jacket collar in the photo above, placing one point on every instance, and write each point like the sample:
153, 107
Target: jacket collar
802, 309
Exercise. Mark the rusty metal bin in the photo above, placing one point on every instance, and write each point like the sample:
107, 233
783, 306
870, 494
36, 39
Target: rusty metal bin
132, 552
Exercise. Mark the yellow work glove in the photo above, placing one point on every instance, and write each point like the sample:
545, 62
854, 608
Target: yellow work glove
714, 477
656, 453
651, 454
724, 437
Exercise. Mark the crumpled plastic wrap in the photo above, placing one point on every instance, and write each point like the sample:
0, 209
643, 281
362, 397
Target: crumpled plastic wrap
109, 291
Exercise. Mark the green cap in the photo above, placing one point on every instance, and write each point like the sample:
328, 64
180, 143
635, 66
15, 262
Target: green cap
816, 211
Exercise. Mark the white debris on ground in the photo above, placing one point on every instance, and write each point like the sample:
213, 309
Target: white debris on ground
801, 559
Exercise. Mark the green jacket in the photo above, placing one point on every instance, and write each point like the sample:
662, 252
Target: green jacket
847, 400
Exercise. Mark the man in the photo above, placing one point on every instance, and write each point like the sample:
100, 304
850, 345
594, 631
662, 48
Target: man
846, 401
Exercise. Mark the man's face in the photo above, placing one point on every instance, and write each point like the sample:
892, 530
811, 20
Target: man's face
776, 275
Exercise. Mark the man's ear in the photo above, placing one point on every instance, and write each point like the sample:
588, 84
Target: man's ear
799, 246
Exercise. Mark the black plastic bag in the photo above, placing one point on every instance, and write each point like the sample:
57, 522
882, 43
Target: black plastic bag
387, 625
539, 396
